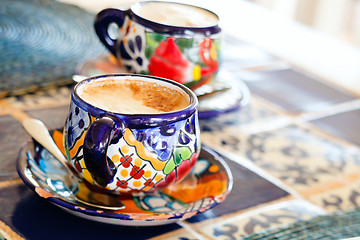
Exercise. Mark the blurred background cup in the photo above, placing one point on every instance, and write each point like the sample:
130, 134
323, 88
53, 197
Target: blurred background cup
165, 39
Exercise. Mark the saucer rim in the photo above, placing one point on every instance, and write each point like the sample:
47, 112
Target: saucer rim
242, 102
120, 218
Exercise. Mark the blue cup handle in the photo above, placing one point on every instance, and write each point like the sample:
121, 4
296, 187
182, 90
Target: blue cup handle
96, 142
102, 22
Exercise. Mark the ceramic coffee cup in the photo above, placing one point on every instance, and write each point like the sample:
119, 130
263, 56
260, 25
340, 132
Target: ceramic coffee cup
131, 133
165, 39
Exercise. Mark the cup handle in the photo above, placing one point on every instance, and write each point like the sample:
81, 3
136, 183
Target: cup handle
103, 20
96, 142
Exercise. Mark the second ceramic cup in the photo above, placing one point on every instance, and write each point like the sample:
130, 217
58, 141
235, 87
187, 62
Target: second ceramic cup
165, 39
132, 133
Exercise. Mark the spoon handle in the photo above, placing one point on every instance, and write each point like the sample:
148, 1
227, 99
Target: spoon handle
37, 130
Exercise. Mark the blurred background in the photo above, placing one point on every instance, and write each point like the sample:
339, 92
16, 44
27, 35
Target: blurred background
340, 18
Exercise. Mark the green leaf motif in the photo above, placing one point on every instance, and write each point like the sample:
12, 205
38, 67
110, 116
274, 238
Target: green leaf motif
185, 43
149, 51
169, 166
181, 154
153, 39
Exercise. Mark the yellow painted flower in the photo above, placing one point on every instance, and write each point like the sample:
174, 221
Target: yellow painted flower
197, 72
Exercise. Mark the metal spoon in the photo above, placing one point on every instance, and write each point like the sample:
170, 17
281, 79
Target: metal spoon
40, 133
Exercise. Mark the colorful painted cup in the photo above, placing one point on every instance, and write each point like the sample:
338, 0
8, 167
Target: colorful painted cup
184, 52
129, 153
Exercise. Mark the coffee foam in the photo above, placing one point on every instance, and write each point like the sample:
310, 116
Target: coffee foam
133, 96
177, 14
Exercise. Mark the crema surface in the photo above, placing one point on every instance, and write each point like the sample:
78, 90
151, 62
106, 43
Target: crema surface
132, 96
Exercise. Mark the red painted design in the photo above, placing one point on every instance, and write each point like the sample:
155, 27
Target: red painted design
183, 170
169, 62
126, 161
205, 48
122, 184
194, 158
170, 179
149, 183
78, 166
135, 173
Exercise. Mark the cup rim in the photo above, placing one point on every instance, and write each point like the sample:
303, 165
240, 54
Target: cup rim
137, 120
164, 28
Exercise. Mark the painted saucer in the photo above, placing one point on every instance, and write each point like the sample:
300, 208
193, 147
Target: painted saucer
230, 94
206, 186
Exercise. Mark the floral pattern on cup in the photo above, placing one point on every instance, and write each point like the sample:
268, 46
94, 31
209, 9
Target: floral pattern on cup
187, 61
77, 121
132, 46
141, 171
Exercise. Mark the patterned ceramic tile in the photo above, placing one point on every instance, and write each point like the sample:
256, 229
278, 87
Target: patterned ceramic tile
53, 118
249, 190
344, 125
34, 218
344, 197
295, 155
13, 137
294, 91
252, 118
271, 216
49, 97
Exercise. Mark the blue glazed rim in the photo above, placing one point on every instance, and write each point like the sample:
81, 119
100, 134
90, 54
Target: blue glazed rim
163, 28
137, 121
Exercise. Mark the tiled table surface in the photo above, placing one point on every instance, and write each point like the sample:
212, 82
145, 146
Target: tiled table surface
293, 151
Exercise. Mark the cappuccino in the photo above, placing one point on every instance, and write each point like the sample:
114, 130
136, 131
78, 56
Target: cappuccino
174, 14
134, 96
